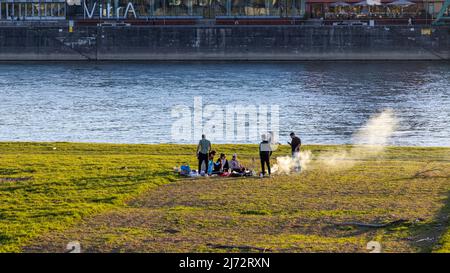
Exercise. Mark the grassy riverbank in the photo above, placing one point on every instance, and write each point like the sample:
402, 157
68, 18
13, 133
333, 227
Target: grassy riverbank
125, 198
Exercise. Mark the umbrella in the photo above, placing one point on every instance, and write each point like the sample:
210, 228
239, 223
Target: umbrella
401, 3
368, 3
340, 4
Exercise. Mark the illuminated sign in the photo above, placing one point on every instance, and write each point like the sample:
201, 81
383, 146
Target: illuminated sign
107, 11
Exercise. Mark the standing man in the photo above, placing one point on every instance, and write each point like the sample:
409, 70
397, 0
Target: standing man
295, 143
203, 149
265, 151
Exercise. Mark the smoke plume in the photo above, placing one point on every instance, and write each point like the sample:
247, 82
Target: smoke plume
367, 142
287, 164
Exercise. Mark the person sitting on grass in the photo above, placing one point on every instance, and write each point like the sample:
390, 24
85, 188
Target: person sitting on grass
221, 164
211, 162
236, 166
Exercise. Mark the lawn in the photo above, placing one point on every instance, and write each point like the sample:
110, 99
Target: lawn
125, 198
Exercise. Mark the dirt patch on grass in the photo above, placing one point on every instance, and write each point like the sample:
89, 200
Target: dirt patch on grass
15, 179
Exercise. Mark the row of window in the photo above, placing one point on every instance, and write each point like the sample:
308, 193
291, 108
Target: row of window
15, 10
203, 8
32, 11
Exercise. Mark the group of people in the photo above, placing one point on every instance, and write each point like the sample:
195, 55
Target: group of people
206, 164
221, 166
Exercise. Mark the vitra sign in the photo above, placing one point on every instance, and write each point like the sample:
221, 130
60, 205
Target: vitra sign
107, 11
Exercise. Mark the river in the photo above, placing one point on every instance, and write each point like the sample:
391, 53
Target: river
324, 102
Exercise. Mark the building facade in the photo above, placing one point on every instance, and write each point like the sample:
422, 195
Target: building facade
328, 9
19, 10
142, 9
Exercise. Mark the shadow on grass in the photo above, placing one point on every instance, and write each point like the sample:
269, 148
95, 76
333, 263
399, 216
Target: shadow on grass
350, 232
427, 236
5, 239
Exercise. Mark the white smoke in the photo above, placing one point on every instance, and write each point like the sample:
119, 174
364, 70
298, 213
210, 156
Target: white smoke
287, 164
367, 142
377, 131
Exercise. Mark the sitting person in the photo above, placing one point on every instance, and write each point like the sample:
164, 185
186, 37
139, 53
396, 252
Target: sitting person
221, 164
211, 162
185, 170
236, 166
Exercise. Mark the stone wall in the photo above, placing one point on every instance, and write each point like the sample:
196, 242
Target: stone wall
224, 43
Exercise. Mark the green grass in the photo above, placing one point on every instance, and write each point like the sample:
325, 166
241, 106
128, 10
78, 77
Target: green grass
443, 245
60, 183
119, 198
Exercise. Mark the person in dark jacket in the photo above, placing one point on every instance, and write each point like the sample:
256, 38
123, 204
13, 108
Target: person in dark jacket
295, 143
221, 166
265, 151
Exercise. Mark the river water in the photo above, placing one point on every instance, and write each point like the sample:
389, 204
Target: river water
324, 102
